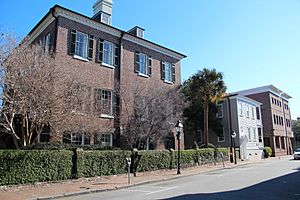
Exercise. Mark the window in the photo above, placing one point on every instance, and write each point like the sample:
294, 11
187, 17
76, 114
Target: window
272, 100
254, 135
249, 133
106, 105
143, 64
48, 43
247, 111
104, 139
80, 138
81, 45
274, 117
257, 113
220, 110
103, 102
140, 33
168, 72
259, 134
241, 109
252, 112
108, 53
105, 18
221, 137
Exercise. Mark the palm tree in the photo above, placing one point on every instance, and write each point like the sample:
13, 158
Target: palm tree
206, 86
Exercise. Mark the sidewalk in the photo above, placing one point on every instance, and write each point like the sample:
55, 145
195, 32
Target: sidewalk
103, 183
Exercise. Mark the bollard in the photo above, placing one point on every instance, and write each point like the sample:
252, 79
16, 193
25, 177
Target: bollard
222, 156
128, 160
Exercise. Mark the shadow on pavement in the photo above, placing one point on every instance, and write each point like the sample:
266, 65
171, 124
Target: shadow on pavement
286, 187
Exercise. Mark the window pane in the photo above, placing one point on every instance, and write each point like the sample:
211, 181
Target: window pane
143, 63
168, 71
106, 102
81, 45
108, 53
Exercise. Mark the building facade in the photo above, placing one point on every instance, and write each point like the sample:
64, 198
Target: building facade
242, 126
106, 61
276, 117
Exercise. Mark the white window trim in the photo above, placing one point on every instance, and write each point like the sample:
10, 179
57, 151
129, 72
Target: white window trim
112, 54
170, 72
107, 65
223, 137
169, 82
221, 105
86, 45
143, 75
80, 58
107, 116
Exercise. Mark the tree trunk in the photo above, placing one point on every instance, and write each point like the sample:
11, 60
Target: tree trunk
205, 127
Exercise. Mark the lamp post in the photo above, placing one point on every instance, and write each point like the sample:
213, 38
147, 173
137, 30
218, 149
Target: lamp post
233, 136
178, 127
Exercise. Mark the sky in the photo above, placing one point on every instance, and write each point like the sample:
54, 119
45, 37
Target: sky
252, 42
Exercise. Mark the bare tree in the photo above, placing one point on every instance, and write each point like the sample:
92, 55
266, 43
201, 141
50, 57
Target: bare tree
148, 114
36, 95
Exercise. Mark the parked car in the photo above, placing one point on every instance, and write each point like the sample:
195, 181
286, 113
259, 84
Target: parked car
297, 153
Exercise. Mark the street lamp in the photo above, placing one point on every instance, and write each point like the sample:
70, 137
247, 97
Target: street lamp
233, 136
179, 128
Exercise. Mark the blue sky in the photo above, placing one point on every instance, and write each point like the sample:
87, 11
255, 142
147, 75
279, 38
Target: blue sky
254, 42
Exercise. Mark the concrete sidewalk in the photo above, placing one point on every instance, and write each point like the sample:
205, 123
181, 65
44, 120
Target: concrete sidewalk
103, 183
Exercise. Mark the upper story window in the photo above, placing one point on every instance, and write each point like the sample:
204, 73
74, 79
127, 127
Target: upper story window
105, 18
81, 45
108, 53
103, 102
143, 64
168, 72
220, 110
247, 111
241, 109
252, 112
257, 113
48, 43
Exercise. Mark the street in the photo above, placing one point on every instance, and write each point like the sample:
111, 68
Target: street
272, 179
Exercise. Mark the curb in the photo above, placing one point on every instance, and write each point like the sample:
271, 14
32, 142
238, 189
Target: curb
90, 191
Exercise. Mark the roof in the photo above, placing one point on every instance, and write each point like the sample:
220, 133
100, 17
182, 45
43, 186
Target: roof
64, 12
243, 98
267, 88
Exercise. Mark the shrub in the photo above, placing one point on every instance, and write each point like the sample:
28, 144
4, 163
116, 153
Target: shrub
101, 163
267, 151
154, 160
20, 166
64, 146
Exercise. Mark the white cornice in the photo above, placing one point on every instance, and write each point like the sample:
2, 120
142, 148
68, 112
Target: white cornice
59, 11
45, 23
86, 21
152, 46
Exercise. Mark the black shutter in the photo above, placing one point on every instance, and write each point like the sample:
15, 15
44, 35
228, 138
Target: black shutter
162, 70
72, 42
116, 56
91, 44
137, 62
51, 43
149, 71
100, 50
173, 71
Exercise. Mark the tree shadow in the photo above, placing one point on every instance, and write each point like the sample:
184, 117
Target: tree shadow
286, 187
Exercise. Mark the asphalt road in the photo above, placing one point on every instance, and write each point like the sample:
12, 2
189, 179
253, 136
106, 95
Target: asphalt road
269, 180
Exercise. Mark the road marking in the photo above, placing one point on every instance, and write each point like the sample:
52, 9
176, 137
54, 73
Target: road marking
170, 188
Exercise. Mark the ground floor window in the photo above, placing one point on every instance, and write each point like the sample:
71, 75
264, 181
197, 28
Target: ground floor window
282, 143
77, 138
221, 136
43, 137
277, 142
104, 139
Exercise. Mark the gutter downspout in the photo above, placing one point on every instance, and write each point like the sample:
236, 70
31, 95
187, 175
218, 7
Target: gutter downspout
56, 28
117, 81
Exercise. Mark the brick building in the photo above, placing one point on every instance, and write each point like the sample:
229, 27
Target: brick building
105, 59
276, 117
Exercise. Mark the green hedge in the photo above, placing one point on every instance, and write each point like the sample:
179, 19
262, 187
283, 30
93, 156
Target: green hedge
267, 151
20, 167
99, 163
29, 166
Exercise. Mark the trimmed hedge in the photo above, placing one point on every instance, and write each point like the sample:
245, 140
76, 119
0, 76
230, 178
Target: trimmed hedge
20, 167
267, 151
29, 166
101, 163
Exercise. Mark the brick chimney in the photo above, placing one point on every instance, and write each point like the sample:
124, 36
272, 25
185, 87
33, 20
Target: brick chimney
103, 11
